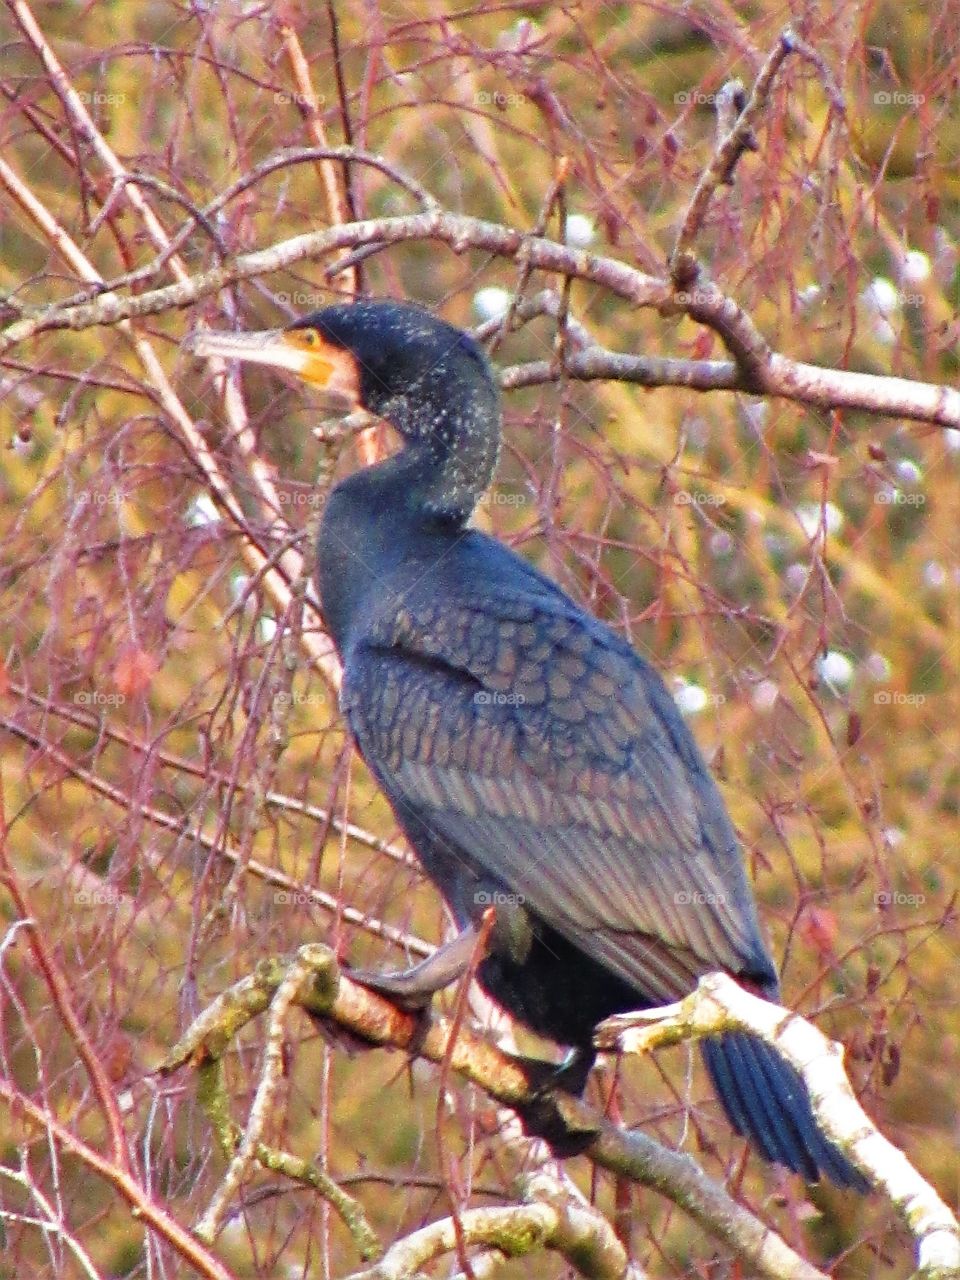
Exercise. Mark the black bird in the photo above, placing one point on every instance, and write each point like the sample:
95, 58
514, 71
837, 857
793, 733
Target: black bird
532, 758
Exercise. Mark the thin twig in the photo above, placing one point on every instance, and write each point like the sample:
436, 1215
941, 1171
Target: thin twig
277, 580
299, 892
279, 160
724, 160
24, 1109
211, 1220
59, 989
203, 770
554, 194
309, 105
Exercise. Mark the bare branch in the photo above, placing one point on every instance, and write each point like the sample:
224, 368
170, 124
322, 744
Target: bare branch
276, 580
761, 371
50, 1223
718, 1005
309, 105
251, 1146
60, 991
203, 217
196, 1255
740, 138
790, 568
456, 230
406, 942
550, 1217
811, 384
563, 1118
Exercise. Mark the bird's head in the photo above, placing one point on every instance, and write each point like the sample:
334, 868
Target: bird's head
395, 360
428, 379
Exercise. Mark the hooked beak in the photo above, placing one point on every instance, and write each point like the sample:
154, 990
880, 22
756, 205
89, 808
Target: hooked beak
299, 351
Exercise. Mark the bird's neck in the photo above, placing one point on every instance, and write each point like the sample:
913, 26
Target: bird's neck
450, 455
392, 522
383, 528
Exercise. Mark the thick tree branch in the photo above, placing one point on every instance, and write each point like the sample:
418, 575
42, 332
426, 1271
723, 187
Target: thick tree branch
244, 1146
811, 384
550, 1217
458, 231
718, 1005
762, 371
565, 1120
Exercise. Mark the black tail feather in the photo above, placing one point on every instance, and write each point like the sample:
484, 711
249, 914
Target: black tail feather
767, 1102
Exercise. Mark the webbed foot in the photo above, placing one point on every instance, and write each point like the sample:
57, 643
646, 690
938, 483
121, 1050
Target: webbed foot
413, 988
542, 1116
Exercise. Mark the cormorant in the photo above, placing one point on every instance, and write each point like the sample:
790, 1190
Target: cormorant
532, 758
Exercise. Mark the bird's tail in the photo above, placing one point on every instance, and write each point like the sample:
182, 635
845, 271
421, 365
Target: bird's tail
766, 1101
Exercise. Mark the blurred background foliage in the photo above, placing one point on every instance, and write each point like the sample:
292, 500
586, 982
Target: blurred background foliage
793, 573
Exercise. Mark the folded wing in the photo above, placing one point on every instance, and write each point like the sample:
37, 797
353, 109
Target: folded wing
541, 752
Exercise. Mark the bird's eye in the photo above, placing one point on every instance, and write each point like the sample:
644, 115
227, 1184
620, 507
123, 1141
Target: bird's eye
304, 338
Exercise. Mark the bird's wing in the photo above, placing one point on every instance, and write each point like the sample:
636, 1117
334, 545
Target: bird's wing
540, 750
